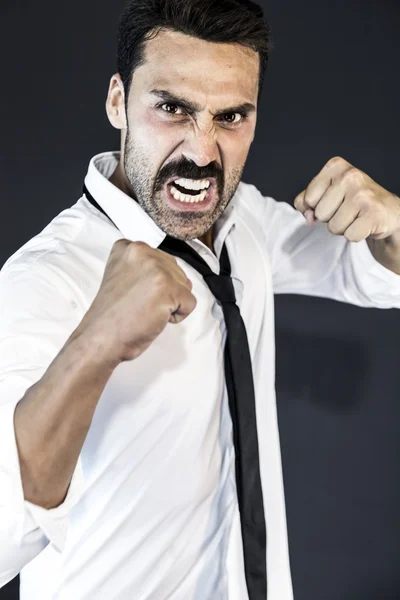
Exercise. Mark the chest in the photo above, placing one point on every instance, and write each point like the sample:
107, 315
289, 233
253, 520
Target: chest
171, 396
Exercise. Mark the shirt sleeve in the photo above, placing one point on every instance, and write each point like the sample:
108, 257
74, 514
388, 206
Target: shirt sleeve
311, 260
36, 319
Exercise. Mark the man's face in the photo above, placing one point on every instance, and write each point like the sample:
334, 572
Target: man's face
191, 117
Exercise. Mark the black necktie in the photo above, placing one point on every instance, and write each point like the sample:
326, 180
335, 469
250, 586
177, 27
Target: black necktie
240, 387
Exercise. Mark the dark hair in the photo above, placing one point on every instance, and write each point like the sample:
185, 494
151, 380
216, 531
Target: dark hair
228, 21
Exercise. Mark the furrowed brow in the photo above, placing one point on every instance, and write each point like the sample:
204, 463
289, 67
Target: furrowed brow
191, 107
246, 108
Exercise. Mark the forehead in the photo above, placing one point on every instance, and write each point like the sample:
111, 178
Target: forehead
182, 63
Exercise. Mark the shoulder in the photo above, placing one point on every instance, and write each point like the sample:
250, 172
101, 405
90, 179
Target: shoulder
77, 225
62, 264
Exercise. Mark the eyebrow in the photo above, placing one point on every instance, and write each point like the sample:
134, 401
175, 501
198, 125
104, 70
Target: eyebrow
192, 107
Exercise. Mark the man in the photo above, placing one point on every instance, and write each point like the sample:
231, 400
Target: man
118, 472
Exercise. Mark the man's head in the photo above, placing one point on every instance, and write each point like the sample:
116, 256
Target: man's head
185, 98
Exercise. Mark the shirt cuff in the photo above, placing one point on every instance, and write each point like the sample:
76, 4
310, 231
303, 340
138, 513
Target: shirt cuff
376, 281
53, 522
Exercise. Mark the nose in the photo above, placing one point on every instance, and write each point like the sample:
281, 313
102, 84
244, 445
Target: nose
201, 147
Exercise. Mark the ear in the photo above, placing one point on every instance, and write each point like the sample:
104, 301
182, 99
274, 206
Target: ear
115, 104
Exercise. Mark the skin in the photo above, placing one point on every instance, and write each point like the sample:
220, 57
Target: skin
355, 206
204, 143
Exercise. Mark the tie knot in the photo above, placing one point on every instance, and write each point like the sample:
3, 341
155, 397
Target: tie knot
221, 286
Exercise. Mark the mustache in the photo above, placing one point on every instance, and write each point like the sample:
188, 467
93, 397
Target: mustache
189, 170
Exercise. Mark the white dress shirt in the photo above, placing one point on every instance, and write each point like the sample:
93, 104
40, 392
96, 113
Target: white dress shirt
151, 512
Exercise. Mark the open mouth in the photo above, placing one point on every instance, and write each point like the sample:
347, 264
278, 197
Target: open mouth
191, 194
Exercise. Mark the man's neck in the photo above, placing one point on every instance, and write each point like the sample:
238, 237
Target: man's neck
118, 178
207, 239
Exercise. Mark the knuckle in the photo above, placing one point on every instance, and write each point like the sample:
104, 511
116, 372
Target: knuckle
142, 255
127, 249
160, 280
354, 177
149, 261
336, 161
120, 245
138, 248
366, 198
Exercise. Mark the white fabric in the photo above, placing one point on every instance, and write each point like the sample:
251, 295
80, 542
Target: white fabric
151, 513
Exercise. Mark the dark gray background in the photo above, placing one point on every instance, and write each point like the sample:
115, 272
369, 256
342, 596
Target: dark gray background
332, 89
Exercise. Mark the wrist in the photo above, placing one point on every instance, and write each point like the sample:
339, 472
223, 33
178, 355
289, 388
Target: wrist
93, 350
387, 251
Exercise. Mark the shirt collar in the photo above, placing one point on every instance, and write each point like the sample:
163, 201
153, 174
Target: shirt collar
132, 221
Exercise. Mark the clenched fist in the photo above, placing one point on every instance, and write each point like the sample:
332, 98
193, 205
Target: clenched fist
142, 290
350, 202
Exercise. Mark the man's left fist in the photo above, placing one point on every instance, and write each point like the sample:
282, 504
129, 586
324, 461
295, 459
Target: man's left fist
350, 202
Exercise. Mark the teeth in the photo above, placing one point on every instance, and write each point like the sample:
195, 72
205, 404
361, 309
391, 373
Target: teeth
194, 184
186, 197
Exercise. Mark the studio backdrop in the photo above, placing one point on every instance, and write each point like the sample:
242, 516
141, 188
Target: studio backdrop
332, 89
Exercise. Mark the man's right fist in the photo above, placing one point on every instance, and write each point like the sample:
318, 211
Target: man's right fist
142, 290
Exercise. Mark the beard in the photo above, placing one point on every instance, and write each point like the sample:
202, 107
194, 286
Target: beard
149, 191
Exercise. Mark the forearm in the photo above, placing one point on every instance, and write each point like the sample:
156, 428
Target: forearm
387, 251
53, 419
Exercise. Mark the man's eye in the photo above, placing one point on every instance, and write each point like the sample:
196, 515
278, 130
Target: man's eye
172, 109
233, 118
